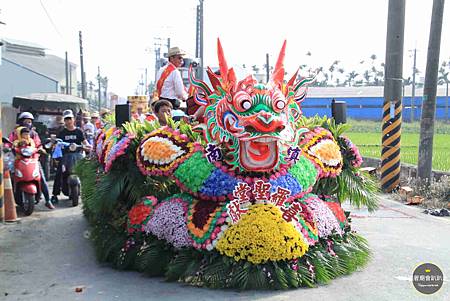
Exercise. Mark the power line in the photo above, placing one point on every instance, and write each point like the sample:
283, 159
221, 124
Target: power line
51, 20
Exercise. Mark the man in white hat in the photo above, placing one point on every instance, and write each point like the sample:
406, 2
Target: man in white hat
70, 134
169, 84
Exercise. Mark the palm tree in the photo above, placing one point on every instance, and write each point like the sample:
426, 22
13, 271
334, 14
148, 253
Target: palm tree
351, 78
367, 77
443, 79
332, 68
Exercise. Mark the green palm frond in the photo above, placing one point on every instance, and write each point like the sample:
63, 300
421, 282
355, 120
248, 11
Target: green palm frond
257, 278
154, 258
216, 274
240, 275
359, 190
178, 265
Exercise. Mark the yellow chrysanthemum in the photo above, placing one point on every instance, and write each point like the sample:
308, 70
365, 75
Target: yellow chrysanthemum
261, 235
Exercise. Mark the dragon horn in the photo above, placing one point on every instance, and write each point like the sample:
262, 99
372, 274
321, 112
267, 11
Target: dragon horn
293, 78
214, 79
222, 62
278, 72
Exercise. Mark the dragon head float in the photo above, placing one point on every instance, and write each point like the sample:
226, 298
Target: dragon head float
254, 123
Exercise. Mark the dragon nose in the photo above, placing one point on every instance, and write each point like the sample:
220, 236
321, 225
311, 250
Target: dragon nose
266, 118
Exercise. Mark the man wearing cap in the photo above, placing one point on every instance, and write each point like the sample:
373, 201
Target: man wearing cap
70, 134
169, 84
95, 118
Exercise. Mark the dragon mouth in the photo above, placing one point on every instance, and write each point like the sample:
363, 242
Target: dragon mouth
259, 154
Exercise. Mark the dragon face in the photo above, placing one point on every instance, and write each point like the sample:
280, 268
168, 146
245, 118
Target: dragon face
254, 123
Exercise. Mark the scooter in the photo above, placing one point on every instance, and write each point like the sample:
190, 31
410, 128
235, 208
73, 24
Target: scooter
27, 179
70, 183
49, 165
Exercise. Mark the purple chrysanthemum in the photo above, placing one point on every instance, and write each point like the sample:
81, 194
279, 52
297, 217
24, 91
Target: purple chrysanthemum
168, 222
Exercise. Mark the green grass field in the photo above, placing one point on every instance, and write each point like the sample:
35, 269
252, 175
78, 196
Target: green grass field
367, 136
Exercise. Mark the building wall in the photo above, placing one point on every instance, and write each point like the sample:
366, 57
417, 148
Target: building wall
372, 107
16, 80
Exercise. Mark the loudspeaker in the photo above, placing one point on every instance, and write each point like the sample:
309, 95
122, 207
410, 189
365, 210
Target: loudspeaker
122, 114
339, 111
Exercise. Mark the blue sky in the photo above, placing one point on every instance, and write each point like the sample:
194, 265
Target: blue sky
119, 36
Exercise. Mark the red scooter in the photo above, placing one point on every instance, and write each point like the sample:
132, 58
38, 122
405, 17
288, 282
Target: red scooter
27, 178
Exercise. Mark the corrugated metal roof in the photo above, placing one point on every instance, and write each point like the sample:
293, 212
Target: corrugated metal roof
22, 43
49, 65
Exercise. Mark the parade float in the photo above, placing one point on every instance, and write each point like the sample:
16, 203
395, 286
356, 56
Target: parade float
249, 200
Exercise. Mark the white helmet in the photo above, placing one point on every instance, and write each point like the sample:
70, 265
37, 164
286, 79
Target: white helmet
26, 115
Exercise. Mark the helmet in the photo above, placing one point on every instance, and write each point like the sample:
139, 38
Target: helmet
26, 115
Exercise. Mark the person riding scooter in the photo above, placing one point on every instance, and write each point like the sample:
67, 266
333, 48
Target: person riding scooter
25, 119
74, 138
27, 177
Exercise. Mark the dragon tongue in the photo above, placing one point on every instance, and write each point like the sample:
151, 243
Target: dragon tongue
259, 150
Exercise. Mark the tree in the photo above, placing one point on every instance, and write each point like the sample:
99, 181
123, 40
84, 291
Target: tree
351, 78
332, 68
443, 79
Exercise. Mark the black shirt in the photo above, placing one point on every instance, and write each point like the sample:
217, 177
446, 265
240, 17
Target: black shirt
76, 136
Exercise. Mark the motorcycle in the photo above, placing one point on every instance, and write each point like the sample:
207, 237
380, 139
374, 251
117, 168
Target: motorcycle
48, 163
70, 183
26, 178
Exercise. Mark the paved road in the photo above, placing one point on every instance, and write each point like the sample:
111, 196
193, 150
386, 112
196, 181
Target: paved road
47, 256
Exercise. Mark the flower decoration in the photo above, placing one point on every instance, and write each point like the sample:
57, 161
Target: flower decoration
116, 151
108, 145
140, 213
320, 147
218, 183
194, 172
305, 173
206, 222
306, 225
169, 222
324, 218
262, 235
350, 152
161, 151
99, 145
338, 212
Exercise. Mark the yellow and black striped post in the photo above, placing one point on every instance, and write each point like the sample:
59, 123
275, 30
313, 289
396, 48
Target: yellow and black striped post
392, 106
390, 153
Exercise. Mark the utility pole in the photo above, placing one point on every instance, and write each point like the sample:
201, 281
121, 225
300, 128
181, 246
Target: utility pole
168, 44
413, 93
99, 90
157, 59
424, 169
83, 75
392, 106
199, 39
67, 74
70, 79
146, 82
267, 68
105, 92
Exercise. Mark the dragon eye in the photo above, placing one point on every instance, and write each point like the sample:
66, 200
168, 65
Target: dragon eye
246, 104
280, 104
242, 101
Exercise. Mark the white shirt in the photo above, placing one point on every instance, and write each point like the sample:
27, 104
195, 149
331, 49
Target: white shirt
89, 128
173, 87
